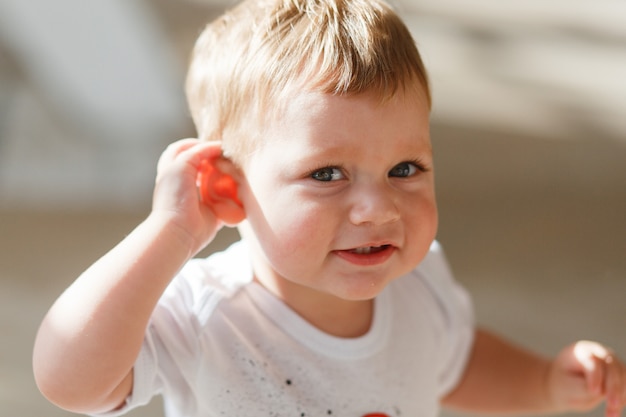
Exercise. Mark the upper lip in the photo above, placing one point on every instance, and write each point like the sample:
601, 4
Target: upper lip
374, 244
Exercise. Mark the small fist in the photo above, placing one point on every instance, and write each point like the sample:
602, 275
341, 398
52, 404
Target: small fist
586, 373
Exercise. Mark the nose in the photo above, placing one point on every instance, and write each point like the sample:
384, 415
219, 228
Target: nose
375, 205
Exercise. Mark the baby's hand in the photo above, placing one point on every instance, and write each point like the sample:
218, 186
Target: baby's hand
177, 191
583, 375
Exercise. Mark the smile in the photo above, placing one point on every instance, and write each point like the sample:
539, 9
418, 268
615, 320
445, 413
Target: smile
367, 255
369, 249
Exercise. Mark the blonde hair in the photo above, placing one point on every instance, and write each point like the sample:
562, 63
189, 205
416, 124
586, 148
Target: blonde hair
247, 60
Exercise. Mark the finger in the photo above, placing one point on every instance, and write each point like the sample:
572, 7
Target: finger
179, 146
589, 355
614, 386
190, 153
173, 150
201, 151
596, 376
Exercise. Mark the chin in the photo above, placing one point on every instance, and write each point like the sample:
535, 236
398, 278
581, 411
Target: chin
363, 291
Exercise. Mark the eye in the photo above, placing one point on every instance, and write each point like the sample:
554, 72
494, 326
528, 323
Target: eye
327, 174
405, 169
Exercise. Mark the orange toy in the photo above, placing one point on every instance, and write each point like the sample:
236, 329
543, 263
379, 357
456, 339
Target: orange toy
212, 182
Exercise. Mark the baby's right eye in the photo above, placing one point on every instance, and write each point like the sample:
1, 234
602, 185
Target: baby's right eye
327, 174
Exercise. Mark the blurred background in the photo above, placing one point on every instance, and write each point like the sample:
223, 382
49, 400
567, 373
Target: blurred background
529, 130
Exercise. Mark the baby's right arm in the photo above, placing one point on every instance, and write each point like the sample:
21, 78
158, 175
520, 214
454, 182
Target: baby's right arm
88, 341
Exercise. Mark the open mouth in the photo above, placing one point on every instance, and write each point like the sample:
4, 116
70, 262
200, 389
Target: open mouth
367, 250
367, 255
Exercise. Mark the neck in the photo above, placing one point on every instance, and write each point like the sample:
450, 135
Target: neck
345, 319
330, 314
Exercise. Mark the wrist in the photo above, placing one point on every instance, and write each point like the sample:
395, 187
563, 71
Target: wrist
549, 397
179, 237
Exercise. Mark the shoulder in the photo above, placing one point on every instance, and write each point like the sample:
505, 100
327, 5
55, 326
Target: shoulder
447, 306
434, 264
205, 282
226, 271
434, 277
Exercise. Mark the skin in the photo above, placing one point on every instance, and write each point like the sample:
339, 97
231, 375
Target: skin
352, 174
332, 176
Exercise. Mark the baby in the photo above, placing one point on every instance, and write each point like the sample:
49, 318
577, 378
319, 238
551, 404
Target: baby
313, 124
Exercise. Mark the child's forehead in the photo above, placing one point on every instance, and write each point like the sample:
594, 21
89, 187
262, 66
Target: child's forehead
318, 120
306, 105
300, 102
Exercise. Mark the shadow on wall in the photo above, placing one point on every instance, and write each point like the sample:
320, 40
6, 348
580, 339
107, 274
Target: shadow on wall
91, 94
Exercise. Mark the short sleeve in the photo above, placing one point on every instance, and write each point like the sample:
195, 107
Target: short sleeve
170, 336
455, 303
144, 373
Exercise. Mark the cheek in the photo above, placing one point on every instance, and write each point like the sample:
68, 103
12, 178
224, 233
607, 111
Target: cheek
422, 223
293, 234
430, 216
289, 227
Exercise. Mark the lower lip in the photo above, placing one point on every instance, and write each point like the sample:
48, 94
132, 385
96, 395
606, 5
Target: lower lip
366, 259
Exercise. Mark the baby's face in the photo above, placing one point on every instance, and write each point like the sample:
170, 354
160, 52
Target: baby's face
340, 195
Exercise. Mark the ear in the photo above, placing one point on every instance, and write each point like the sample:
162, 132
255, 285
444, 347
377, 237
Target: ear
219, 190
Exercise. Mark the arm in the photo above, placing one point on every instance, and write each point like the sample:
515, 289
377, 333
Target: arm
500, 378
88, 341
505, 379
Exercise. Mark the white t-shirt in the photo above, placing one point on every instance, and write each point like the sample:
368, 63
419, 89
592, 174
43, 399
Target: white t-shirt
219, 344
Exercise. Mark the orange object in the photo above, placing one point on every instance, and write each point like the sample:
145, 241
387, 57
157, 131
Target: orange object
212, 182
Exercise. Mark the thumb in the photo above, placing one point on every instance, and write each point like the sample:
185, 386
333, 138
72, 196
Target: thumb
591, 357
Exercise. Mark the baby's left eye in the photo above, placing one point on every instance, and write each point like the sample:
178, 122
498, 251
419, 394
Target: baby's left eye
327, 174
404, 169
